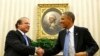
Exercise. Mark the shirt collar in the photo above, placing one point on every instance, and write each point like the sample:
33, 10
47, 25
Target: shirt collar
71, 29
21, 32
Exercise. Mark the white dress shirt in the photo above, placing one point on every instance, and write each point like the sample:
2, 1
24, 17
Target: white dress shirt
21, 32
71, 43
25, 37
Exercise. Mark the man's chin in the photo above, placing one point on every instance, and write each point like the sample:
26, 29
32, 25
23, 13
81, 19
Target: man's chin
26, 31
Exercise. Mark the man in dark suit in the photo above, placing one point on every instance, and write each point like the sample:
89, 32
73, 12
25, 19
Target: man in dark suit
17, 43
81, 43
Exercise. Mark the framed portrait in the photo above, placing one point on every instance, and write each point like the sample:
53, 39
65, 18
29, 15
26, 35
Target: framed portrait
48, 20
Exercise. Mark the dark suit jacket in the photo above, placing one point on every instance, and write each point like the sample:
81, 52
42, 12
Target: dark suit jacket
83, 41
15, 45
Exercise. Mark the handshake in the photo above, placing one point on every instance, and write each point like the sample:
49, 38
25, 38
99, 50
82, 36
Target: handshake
39, 51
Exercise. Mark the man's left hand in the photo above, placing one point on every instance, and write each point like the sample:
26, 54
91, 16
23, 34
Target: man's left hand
81, 54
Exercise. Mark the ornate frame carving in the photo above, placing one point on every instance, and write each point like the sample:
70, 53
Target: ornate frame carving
45, 12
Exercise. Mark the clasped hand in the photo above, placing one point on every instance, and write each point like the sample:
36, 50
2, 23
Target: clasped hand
39, 51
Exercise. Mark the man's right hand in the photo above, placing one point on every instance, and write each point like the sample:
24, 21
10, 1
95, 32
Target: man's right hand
40, 51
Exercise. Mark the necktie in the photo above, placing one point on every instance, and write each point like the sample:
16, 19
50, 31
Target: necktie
26, 40
66, 44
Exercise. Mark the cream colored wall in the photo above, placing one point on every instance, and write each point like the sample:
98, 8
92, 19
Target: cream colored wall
86, 11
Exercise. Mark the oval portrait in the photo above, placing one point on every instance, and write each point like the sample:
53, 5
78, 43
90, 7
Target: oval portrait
50, 21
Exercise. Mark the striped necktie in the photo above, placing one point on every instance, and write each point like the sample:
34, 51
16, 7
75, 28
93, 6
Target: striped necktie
66, 44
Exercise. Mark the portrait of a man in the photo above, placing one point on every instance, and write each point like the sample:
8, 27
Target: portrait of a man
50, 21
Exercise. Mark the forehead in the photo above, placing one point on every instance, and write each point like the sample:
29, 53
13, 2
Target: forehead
63, 15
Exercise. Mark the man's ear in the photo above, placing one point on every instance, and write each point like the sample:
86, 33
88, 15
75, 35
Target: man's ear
70, 18
19, 25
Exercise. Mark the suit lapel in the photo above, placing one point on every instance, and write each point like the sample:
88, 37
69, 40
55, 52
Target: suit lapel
76, 34
63, 37
20, 37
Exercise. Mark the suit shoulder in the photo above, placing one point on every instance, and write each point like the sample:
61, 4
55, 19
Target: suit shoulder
82, 28
11, 32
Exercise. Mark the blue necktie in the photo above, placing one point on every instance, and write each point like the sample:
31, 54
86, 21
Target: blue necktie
66, 44
26, 40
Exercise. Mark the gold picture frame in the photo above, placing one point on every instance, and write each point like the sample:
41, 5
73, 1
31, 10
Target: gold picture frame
48, 13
